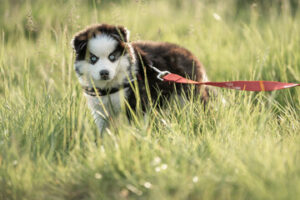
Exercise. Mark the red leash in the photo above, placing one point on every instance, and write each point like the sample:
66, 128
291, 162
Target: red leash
237, 85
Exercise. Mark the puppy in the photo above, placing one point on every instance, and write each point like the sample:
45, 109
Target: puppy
112, 70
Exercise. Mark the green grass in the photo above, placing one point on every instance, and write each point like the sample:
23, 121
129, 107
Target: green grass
248, 149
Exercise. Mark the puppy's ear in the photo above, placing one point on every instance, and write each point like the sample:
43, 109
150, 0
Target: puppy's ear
123, 33
79, 44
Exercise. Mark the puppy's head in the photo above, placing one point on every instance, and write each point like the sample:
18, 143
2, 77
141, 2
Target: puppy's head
103, 55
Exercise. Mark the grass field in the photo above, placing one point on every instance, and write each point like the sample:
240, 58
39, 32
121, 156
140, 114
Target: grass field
248, 149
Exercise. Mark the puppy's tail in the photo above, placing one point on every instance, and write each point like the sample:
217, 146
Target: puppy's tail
206, 92
203, 90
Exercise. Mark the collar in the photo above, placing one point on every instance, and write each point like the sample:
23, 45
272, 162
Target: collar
103, 92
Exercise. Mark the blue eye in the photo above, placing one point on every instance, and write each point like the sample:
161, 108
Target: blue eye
112, 57
93, 59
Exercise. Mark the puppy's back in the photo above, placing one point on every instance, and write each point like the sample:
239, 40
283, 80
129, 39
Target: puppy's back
176, 59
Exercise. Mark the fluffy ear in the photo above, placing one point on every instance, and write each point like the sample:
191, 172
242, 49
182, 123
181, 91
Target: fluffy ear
79, 44
123, 33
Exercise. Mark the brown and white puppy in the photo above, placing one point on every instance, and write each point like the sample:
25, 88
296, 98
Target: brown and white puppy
107, 64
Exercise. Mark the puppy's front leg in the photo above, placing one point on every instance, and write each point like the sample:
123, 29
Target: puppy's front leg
100, 121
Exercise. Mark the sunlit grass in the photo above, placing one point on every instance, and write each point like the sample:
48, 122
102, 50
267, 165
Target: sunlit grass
247, 149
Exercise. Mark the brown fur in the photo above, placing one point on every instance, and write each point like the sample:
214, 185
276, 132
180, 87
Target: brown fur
173, 58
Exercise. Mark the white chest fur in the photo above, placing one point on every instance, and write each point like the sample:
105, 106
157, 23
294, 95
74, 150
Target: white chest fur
107, 106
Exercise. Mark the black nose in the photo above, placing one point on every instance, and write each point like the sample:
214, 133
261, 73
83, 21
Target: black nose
104, 74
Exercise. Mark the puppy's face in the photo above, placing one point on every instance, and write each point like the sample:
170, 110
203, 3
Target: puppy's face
103, 56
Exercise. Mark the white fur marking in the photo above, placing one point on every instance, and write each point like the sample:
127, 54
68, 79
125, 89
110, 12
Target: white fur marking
111, 103
102, 45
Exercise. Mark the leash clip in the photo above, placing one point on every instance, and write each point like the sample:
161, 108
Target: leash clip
160, 73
